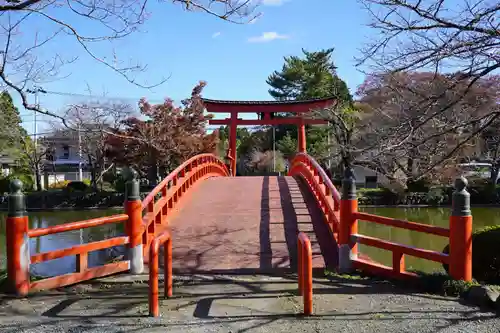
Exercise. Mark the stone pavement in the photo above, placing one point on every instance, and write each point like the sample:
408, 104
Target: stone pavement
256, 303
248, 223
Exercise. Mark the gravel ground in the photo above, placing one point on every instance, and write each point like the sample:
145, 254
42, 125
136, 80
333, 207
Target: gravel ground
242, 304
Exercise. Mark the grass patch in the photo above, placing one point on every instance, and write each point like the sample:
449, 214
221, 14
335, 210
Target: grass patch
433, 283
441, 283
355, 276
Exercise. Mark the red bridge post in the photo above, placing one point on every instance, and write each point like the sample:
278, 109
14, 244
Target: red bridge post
348, 223
133, 208
461, 233
18, 254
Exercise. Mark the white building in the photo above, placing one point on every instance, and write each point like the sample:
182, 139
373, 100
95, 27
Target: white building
64, 160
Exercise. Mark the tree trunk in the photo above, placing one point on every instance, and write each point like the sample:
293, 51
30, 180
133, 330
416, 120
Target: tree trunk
153, 174
38, 178
93, 176
494, 172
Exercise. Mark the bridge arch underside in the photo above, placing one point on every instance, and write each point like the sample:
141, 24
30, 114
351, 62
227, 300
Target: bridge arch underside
249, 224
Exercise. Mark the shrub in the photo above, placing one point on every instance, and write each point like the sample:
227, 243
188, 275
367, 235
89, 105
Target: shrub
421, 185
60, 184
119, 185
25, 178
485, 255
436, 196
77, 186
457, 288
110, 177
378, 196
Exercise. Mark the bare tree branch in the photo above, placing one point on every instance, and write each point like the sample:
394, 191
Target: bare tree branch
29, 28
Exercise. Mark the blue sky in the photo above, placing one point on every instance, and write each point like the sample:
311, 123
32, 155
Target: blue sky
234, 59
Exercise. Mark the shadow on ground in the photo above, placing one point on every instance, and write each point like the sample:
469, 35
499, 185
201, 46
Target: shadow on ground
238, 304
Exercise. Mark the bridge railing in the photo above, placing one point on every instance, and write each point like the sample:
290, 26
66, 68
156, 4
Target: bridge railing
141, 219
164, 201
321, 187
19, 259
459, 234
304, 268
164, 240
343, 215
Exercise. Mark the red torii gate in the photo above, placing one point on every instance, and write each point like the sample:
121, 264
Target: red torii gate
266, 108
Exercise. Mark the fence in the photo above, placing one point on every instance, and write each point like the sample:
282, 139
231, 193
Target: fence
459, 234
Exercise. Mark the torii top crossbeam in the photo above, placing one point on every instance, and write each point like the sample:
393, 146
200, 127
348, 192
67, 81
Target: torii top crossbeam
266, 108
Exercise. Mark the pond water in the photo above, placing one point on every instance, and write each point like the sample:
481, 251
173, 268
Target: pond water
434, 216
482, 216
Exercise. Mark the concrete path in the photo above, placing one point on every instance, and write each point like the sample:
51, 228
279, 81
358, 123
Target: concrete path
241, 304
248, 223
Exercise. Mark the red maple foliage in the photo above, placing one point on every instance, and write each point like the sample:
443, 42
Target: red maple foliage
163, 137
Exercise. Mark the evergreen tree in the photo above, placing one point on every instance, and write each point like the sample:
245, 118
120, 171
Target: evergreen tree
308, 77
11, 131
313, 76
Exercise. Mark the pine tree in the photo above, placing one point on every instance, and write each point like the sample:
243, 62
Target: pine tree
308, 77
313, 76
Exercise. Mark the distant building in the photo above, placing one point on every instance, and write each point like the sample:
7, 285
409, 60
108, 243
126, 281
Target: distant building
7, 164
365, 177
63, 161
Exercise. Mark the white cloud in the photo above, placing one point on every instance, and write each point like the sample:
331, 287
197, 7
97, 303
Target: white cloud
273, 2
216, 34
267, 37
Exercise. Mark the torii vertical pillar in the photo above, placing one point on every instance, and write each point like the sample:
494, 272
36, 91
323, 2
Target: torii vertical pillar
301, 130
232, 141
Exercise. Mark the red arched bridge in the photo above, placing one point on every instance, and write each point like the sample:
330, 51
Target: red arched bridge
215, 222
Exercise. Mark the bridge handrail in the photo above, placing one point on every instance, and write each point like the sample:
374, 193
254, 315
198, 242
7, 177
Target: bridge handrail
398, 268
323, 189
304, 271
164, 239
38, 232
326, 180
158, 211
459, 235
158, 188
403, 224
83, 272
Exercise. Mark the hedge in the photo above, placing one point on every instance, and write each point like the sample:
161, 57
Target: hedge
485, 255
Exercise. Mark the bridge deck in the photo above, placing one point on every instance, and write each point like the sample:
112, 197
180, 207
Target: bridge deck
248, 223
